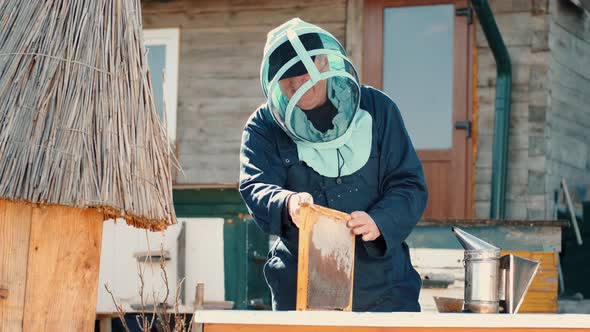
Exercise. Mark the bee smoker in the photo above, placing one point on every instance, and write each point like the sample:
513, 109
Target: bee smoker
493, 283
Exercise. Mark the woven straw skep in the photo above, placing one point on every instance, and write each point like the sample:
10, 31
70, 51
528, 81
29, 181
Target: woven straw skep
78, 124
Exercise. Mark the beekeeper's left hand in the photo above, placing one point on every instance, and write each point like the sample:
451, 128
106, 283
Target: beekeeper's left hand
362, 224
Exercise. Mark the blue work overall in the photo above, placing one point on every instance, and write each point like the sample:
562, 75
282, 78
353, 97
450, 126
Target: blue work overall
390, 187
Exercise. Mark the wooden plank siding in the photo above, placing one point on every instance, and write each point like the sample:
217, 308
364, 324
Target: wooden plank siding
221, 45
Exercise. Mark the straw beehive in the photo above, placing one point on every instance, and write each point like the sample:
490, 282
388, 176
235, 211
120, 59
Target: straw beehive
80, 142
78, 125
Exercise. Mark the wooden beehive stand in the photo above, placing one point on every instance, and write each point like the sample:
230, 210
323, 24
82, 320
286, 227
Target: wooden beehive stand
325, 270
50, 258
80, 142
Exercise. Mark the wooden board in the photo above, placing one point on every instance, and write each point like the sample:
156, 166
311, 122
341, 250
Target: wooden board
15, 225
326, 260
62, 269
49, 260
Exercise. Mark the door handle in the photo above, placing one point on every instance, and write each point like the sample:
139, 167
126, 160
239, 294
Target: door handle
464, 125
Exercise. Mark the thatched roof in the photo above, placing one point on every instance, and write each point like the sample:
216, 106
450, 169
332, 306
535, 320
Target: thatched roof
78, 124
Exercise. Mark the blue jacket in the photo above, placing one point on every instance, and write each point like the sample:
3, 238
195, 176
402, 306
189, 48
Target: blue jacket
390, 188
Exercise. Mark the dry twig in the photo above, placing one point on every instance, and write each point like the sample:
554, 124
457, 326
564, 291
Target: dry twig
159, 308
120, 311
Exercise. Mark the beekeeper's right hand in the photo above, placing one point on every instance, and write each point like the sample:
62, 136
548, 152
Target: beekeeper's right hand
294, 204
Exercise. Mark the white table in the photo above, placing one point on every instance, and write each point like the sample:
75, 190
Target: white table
319, 321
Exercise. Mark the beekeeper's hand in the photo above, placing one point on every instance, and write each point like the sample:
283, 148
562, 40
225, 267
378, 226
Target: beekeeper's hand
294, 204
362, 224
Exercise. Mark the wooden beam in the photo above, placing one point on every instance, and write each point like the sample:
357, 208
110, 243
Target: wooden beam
493, 222
354, 33
200, 296
523, 238
373, 43
199, 301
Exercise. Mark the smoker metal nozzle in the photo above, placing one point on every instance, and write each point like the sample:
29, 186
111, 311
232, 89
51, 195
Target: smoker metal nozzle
470, 242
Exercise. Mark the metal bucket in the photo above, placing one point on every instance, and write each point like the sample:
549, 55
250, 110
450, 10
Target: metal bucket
482, 281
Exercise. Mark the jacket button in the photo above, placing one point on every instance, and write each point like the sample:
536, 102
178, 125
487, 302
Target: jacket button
287, 160
338, 180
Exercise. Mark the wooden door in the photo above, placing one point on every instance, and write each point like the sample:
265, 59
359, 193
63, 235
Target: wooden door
419, 53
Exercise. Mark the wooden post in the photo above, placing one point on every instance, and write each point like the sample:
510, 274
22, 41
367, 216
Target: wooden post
354, 34
200, 296
199, 305
49, 262
105, 324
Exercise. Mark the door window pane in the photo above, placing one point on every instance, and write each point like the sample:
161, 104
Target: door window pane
418, 71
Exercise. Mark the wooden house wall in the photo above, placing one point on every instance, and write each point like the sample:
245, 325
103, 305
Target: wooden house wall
221, 45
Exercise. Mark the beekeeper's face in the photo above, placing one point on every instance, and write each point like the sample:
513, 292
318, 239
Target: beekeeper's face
314, 97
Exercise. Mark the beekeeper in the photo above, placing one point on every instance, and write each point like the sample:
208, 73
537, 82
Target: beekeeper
321, 137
